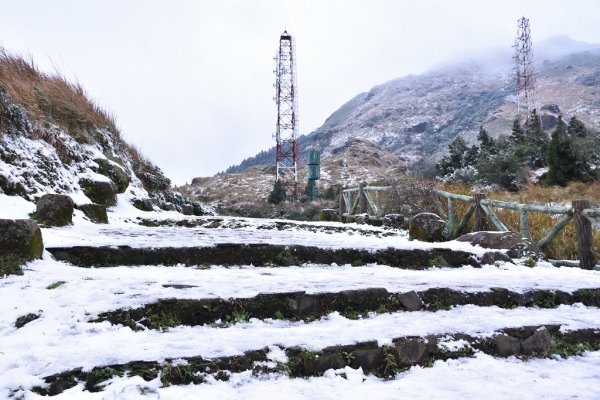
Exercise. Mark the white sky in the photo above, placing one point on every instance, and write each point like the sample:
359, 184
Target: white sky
191, 82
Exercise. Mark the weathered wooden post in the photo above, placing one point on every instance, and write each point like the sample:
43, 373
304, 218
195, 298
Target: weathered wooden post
342, 203
524, 223
480, 220
362, 203
450, 221
583, 230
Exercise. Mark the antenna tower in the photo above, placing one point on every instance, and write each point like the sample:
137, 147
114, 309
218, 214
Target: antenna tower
525, 73
286, 97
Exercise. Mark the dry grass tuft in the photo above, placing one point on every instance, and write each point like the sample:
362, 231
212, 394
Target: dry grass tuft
50, 97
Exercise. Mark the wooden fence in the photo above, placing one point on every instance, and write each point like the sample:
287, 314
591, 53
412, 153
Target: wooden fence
367, 200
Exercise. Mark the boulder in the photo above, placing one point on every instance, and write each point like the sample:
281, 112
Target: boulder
143, 204
115, 173
553, 108
516, 246
100, 192
20, 241
55, 210
396, 221
95, 212
427, 227
329, 214
187, 209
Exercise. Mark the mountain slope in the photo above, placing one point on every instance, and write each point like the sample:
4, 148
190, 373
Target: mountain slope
415, 117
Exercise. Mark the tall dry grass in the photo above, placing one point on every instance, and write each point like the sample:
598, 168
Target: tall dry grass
50, 97
564, 245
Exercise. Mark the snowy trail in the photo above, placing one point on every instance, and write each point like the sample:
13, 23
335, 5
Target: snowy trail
91, 291
481, 377
50, 345
140, 236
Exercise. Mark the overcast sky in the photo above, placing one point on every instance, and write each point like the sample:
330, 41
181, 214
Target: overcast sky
191, 82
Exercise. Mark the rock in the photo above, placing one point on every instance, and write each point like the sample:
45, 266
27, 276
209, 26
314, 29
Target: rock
516, 246
187, 209
55, 210
411, 352
329, 214
20, 241
304, 305
95, 212
143, 204
506, 346
321, 363
367, 359
410, 301
427, 227
491, 257
539, 343
100, 192
394, 221
115, 173
365, 297
361, 219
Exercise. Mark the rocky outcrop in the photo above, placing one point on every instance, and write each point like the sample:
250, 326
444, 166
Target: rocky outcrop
55, 210
100, 192
329, 214
516, 246
427, 227
395, 221
20, 241
143, 204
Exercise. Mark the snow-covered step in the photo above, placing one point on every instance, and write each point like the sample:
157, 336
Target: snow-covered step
386, 360
480, 377
51, 345
351, 304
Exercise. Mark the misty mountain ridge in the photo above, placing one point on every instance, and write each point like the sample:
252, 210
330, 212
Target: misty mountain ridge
415, 117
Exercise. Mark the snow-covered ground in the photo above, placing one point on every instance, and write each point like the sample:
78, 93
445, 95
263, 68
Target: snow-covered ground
66, 298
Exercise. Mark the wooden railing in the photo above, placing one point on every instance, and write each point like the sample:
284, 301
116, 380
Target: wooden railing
367, 200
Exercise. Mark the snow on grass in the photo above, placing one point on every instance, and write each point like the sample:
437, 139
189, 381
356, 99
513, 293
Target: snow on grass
481, 377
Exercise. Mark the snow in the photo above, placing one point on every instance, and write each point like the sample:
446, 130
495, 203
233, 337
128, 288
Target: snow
141, 236
15, 207
465, 378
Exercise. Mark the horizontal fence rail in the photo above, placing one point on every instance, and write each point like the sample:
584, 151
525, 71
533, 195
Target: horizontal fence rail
368, 200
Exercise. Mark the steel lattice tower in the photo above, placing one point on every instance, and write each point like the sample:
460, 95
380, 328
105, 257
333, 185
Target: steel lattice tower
286, 97
525, 73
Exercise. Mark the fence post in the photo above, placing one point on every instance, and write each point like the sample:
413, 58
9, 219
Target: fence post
342, 202
583, 230
362, 203
450, 222
524, 223
480, 222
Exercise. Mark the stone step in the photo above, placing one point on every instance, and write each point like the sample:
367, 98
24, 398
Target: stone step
383, 361
295, 306
228, 254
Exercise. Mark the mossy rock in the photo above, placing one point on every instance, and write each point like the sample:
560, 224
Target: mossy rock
143, 204
95, 212
20, 241
329, 214
100, 192
115, 173
54, 210
427, 227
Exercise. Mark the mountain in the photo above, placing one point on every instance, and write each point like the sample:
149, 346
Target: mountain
54, 140
415, 117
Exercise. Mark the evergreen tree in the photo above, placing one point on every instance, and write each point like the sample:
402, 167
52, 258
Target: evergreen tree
517, 134
487, 143
577, 128
558, 156
278, 193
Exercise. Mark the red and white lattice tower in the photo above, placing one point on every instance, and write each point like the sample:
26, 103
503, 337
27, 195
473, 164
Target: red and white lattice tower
286, 97
525, 73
